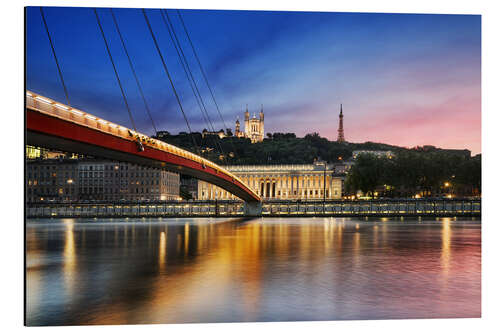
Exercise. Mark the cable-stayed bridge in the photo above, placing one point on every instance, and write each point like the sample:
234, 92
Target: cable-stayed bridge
54, 125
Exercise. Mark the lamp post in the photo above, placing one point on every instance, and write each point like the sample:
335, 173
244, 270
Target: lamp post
324, 187
447, 185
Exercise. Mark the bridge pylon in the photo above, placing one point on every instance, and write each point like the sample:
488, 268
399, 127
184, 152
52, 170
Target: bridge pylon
253, 208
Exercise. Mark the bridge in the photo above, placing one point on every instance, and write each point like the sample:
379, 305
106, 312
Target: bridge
54, 125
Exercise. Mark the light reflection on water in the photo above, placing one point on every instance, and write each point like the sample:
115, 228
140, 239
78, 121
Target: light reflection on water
116, 271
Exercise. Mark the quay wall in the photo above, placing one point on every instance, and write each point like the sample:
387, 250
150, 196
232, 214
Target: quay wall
340, 208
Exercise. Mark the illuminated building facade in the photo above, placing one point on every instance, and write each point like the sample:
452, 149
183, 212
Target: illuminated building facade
281, 182
254, 127
220, 134
42, 153
70, 180
35, 152
377, 153
107, 180
52, 180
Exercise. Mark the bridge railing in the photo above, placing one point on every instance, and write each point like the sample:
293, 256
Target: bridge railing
376, 208
53, 108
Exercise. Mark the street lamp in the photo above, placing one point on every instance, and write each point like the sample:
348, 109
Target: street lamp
324, 187
324, 184
449, 192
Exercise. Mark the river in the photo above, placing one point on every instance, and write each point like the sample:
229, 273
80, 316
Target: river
139, 271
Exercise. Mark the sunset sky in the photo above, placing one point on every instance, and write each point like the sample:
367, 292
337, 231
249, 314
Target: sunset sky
402, 79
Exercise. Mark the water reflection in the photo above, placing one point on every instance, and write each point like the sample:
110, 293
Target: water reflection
209, 270
69, 257
446, 243
163, 250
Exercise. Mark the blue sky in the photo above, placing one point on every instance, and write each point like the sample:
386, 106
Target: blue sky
404, 79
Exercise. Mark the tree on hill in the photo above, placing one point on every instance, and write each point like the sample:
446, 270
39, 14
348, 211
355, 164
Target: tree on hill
366, 174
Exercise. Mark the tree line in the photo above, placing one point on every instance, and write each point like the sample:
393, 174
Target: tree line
415, 173
276, 148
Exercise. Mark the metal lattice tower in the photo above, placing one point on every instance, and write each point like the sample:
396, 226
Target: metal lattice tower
341, 138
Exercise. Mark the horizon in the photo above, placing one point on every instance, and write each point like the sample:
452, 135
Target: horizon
404, 79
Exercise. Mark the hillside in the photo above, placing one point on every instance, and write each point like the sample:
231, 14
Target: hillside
281, 148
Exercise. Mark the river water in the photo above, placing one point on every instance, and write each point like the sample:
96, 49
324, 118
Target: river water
131, 271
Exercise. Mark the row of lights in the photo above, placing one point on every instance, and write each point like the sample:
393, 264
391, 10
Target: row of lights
74, 111
142, 137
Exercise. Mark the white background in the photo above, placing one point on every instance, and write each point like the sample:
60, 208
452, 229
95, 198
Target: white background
12, 145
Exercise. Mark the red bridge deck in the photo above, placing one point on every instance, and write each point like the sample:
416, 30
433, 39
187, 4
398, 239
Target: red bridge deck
54, 125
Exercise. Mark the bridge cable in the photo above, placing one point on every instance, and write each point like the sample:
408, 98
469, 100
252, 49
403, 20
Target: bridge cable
114, 68
190, 77
201, 68
55, 56
170, 79
133, 71
205, 76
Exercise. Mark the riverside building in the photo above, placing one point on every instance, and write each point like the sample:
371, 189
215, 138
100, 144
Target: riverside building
315, 181
70, 180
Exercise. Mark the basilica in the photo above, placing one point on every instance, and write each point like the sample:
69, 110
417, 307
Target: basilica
254, 127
